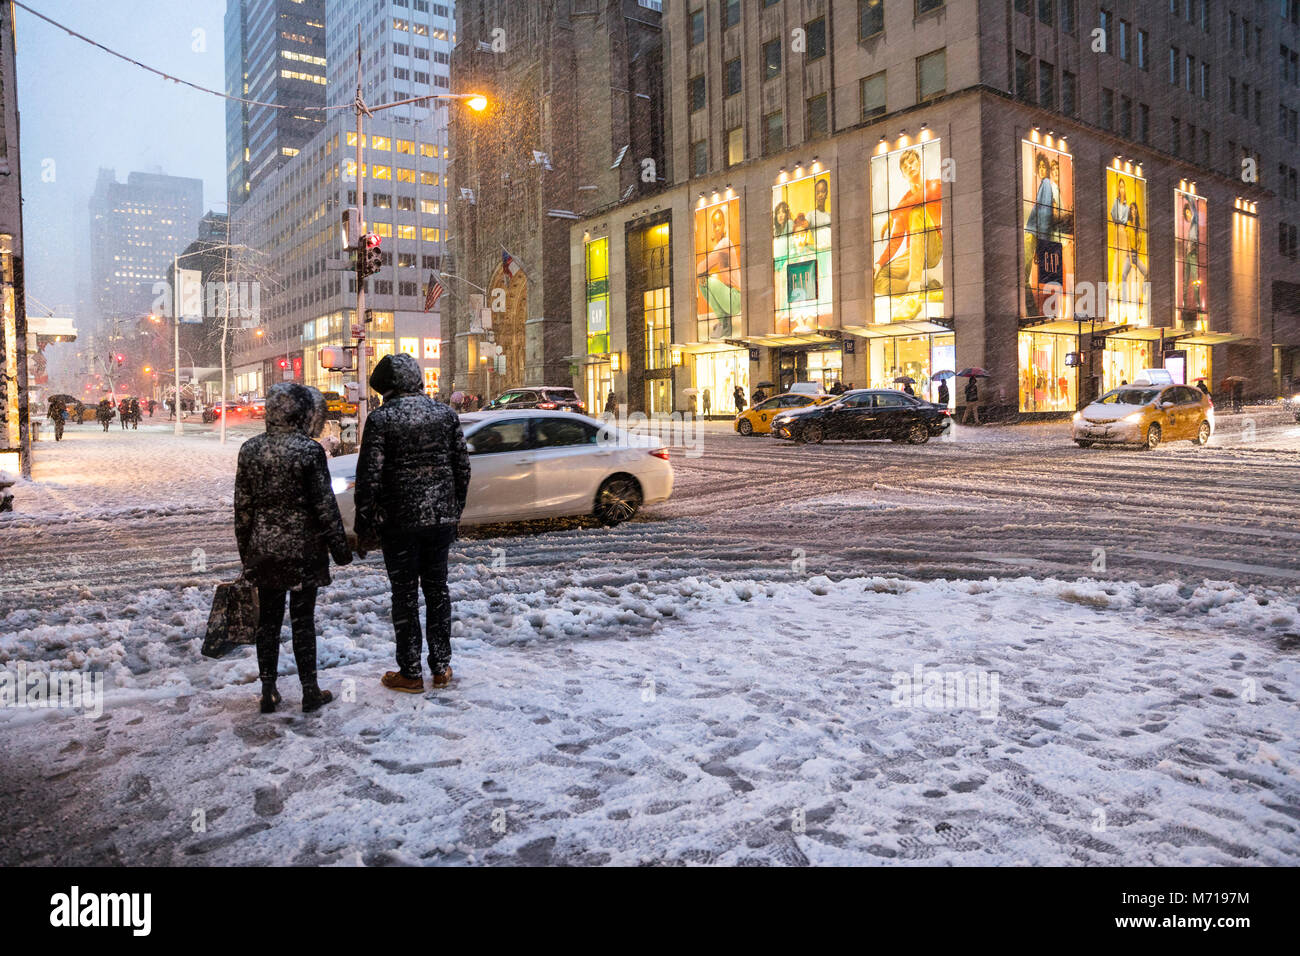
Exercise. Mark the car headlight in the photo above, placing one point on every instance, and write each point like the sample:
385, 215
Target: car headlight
1134, 419
1078, 416
341, 484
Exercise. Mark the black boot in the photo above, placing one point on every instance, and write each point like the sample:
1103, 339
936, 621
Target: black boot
313, 698
270, 696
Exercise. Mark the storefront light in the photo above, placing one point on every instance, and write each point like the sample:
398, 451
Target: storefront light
677, 356
615, 361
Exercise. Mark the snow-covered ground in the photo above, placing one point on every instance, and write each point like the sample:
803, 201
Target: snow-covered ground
726, 680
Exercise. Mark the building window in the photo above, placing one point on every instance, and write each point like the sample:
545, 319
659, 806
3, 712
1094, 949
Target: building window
771, 59
731, 82
871, 91
925, 6
871, 18
1123, 41
1176, 136
1144, 123
1173, 66
1069, 93
1047, 11
1126, 117
697, 27
1104, 21
1047, 85
816, 121
1067, 16
736, 146
773, 133
700, 157
931, 75
1107, 108
730, 13
695, 93
1143, 44
1024, 76
816, 39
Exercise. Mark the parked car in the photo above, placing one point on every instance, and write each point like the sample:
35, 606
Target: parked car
758, 420
1146, 415
336, 406
545, 464
545, 397
257, 408
864, 413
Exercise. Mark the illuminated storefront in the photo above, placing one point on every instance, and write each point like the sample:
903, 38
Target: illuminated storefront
801, 251
915, 356
599, 373
716, 376
1047, 383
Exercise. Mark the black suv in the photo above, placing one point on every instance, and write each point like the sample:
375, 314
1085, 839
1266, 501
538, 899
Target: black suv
540, 396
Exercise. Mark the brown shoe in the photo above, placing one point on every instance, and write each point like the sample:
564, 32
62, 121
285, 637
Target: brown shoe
442, 678
394, 680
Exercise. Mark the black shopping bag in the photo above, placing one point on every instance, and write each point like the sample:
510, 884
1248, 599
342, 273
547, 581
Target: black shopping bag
233, 619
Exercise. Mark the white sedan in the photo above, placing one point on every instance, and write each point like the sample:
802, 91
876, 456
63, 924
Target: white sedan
542, 464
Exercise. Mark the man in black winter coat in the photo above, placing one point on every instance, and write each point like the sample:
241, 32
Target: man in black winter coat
412, 478
287, 525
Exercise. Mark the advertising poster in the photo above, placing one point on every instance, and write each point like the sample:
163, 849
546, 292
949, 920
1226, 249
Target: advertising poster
1128, 296
801, 253
1191, 258
907, 233
1047, 218
717, 271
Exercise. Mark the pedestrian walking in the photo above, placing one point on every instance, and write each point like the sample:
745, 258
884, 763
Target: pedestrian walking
907, 387
58, 411
412, 478
943, 392
738, 394
611, 403
78, 411
708, 402
838, 388
104, 412
1202, 386
759, 397
1238, 396
287, 525
135, 414
123, 412
152, 406
972, 402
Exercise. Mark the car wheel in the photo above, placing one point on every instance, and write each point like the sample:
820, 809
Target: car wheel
1083, 443
918, 434
812, 434
618, 500
1153, 438
1202, 434
745, 428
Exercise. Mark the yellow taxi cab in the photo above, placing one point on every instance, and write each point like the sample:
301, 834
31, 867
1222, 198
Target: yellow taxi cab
337, 406
1146, 414
758, 420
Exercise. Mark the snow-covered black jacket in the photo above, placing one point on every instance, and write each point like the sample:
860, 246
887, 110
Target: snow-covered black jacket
287, 520
413, 471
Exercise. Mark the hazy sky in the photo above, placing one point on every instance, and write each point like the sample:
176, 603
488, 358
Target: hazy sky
82, 109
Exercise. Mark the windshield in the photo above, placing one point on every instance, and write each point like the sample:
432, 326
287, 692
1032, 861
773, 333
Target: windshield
1130, 396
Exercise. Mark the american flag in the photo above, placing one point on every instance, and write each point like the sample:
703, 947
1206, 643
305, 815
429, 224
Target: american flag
509, 265
433, 292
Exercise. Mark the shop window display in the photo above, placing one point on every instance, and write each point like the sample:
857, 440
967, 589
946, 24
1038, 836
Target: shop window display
716, 376
598, 297
1047, 384
907, 233
1124, 359
801, 253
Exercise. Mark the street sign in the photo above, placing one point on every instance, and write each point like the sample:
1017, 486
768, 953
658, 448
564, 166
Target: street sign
358, 331
190, 282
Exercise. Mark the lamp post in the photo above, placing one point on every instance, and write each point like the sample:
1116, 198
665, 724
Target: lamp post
476, 102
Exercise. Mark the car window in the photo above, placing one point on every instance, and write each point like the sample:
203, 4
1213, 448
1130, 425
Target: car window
557, 432
561, 394
770, 404
498, 437
862, 400
1130, 396
1189, 396
796, 401
885, 400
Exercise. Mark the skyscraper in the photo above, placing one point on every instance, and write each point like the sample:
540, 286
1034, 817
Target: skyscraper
275, 54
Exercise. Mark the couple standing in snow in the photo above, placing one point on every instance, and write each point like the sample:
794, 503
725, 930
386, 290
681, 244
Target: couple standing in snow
412, 478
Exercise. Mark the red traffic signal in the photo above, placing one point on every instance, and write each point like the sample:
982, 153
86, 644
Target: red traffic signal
284, 363
371, 240
120, 358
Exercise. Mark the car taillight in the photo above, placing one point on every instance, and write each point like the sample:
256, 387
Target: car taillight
947, 411
547, 405
581, 406
660, 453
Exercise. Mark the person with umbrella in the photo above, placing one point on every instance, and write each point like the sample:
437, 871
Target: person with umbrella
1200, 383
738, 394
942, 378
972, 394
906, 381
58, 411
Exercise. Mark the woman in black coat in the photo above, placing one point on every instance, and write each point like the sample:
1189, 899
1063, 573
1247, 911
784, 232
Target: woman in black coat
287, 524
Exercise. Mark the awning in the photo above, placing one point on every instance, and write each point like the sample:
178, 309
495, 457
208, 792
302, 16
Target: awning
776, 340
1211, 338
1072, 327
1150, 333
890, 329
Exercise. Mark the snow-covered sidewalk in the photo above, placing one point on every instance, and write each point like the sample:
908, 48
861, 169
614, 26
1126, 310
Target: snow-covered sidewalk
681, 720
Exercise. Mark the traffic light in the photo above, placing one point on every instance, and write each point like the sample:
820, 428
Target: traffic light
121, 359
372, 260
284, 363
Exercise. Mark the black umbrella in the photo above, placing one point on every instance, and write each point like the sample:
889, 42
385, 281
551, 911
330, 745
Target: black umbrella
766, 385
